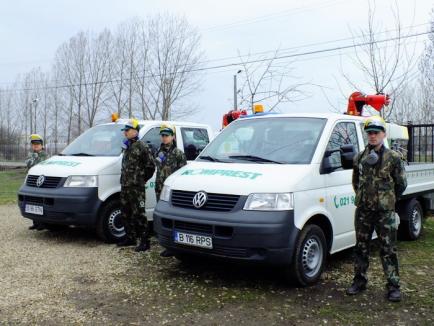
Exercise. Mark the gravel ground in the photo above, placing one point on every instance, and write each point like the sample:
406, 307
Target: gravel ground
70, 277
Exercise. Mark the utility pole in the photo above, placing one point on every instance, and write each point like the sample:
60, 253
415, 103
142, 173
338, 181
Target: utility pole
35, 116
236, 91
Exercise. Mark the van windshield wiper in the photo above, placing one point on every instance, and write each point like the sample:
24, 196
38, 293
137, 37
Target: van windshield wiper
254, 158
209, 158
81, 154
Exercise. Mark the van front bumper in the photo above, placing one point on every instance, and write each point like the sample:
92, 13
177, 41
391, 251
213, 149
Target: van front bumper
238, 235
62, 205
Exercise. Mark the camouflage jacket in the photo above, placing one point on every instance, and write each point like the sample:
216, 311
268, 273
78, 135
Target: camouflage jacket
35, 158
168, 159
378, 186
137, 165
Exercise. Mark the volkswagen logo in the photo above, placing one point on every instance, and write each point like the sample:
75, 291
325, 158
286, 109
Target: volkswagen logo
200, 199
40, 180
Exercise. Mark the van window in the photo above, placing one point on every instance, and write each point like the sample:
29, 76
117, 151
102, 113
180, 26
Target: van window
283, 140
102, 140
364, 134
152, 139
195, 140
344, 133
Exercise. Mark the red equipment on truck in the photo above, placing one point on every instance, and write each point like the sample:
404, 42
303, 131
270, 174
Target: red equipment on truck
231, 116
357, 100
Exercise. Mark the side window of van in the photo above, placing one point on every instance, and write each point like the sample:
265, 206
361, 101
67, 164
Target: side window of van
152, 139
344, 133
365, 136
195, 140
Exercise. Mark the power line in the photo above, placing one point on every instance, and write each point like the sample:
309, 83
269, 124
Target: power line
288, 56
275, 15
283, 50
311, 44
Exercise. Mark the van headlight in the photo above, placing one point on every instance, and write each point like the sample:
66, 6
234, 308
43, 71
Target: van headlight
270, 202
81, 181
165, 193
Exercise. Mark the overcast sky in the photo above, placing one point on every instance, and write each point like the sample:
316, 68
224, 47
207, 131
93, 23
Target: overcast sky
31, 31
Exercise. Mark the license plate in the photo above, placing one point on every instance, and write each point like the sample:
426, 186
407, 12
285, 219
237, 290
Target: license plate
34, 209
193, 240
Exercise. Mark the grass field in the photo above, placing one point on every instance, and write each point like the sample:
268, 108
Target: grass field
10, 182
98, 283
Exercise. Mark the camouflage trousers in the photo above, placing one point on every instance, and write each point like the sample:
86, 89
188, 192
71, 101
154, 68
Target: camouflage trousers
383, 222
133, 212
158, 188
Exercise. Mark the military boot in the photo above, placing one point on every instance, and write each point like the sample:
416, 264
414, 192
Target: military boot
144, 245
393, 293
356, 288
127, 242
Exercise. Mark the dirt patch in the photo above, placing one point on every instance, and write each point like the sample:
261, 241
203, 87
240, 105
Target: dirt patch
70, 277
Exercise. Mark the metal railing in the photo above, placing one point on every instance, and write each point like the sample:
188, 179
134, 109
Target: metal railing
421, 142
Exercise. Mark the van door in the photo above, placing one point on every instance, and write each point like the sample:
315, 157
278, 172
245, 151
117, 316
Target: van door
339, 190
194, 140
152, 139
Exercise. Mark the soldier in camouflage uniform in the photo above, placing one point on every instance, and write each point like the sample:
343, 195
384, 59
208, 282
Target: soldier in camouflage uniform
378, 180
37, 155
168, 159
137, 168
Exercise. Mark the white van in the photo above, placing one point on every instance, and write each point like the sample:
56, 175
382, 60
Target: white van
81, 185
277, 189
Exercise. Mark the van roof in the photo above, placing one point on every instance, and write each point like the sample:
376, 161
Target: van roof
332, 116
394, 129
159, 122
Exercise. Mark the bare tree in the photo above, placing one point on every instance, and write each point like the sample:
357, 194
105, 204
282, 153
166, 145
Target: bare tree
385, 66
148, 67
125, 55
141, 80
97, 62
173, 58
265, 80
426, 68
71, 61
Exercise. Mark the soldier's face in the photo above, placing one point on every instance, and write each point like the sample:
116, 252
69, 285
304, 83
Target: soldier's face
37, 147
166, 139
376, 138
130, 133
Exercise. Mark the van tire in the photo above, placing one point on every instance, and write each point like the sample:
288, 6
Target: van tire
109, 227
309, 256
411, 224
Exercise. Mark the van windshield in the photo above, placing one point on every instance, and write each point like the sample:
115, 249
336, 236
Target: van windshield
280, 140
103, 140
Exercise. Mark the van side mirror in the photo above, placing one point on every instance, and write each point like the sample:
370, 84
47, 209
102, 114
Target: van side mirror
347, 156
152, 148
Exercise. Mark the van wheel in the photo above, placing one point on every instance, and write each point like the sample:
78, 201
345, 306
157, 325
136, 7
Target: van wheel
110, 227
411, 215
309, 256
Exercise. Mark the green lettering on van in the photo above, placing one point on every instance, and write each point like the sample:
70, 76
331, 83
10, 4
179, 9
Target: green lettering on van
62, 163
223, 173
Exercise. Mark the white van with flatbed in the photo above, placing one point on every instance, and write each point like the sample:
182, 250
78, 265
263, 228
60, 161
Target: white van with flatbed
277, 189
81, 186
